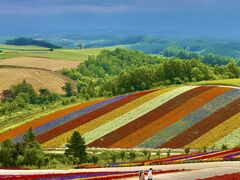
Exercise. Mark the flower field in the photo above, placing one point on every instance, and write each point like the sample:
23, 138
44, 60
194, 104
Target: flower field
173, 117
104, 175
194, 157
234, 176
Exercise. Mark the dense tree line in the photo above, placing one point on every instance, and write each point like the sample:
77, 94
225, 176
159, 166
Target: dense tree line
122, 71
22, 41
22, 95
29, 152
212, 59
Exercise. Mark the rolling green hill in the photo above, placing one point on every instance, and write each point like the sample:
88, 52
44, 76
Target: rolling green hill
8, 51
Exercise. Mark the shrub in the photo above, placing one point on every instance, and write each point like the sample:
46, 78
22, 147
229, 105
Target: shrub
168, 152
122, 155
132, 155
187, 150
113, 156
224, 147
158, 153
94, 159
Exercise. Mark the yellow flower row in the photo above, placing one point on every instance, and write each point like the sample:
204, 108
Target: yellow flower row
216, 133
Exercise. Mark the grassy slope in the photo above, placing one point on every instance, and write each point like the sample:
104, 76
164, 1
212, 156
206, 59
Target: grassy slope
22, 48
227, 82
9, 51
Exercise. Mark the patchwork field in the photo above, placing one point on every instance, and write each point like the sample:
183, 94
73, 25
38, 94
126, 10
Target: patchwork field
173, 117
38, 78
41, 63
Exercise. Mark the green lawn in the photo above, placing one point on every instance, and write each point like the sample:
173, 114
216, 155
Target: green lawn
227, 82
8, 55
9, 51
66, 54
22, 48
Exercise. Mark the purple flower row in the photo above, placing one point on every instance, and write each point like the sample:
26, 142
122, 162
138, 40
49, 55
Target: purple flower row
186, 157
232, 155
66, 176
56, 122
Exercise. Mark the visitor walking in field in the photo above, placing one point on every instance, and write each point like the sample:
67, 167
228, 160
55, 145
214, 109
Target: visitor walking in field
141, 175
150, 175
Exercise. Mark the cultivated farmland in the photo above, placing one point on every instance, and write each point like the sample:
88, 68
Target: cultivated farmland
41, 63
38, 78
172, 117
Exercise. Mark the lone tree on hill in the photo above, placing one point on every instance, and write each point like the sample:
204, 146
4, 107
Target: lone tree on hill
76, 147
80, 45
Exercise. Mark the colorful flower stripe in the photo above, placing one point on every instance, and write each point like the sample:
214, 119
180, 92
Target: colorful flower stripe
135, 174
142, 121
133, 102
202, 157
143, 133
132, 115
231, 140
85, 118
177, 117
234, 176
216, 133
169, 136
57, 122
188, 157
218, 154
84, 175
40, 121
232, 155
204, 126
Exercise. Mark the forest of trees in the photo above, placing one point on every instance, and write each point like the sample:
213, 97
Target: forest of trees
22, 41
22, 95
29, 153
212, 59
122, 71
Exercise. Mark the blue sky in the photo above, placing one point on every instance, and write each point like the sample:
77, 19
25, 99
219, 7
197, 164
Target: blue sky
198, 17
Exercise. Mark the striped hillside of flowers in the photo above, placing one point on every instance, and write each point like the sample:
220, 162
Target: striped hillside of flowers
172, 117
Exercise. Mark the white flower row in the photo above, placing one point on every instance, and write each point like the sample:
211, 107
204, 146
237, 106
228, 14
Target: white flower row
231, 140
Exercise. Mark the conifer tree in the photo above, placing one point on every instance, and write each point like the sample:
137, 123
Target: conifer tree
76, 147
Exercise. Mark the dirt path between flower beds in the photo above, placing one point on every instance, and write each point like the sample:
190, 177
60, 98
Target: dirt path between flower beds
199, 170
142, 121
87, 117
149, 130
204, 126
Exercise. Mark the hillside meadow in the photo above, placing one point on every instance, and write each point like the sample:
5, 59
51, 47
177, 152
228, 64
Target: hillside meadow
35, 51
